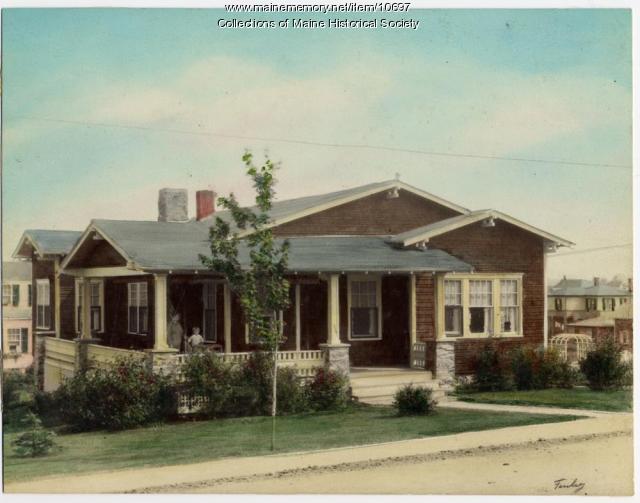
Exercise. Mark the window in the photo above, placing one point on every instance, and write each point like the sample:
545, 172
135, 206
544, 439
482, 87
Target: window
209, 310
18, 339
558, 303
43, 308
591, 304
480, 307
6, 295
96, 306
138, 308
453, 307
608, 304
509, 306
364, 299
16, 295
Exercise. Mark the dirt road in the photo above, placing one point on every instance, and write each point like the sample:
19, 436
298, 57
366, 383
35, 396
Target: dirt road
602, 465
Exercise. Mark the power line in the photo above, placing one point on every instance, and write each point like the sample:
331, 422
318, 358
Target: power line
322, 144
589, 250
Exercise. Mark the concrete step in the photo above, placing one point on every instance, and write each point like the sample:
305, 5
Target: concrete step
399, 379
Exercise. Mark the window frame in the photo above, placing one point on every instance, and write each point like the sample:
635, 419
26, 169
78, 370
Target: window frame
79, 297
354, 278
496, 307
517, 306
137, 305
7, 294
460, 333
43, 282
18, 351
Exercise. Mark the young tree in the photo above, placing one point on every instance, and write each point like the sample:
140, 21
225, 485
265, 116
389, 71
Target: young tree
259, 284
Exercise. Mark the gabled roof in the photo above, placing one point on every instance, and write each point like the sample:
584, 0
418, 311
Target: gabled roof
585, 288
292, 209
16, 271
449, 224
46, 242
162, 246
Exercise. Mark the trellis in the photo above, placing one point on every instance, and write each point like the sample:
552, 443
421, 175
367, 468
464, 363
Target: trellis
562, 342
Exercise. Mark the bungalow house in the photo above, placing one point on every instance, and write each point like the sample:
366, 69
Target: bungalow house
382, 275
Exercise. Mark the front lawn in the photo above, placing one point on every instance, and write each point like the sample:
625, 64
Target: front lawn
191, 442
577, 398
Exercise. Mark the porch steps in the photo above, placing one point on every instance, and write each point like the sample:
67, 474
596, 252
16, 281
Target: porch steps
378, 386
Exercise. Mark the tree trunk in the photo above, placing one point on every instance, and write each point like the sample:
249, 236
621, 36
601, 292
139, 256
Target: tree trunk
274, 396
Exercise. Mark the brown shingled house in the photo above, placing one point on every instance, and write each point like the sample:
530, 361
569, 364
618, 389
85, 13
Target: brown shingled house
382, 275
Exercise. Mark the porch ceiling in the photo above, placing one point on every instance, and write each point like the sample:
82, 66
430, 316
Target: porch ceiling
176, 246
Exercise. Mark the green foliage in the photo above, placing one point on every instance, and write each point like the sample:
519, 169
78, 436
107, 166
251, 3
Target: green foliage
35, 440
491, 374
17, 397
603, 367
123, 395
414, 401
537, 368
328, 390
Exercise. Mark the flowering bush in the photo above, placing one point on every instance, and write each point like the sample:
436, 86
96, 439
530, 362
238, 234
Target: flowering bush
124, 395
328, 390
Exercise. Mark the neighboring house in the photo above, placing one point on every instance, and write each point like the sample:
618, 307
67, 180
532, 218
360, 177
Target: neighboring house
573, 300
17, 345
617, 325
381, 275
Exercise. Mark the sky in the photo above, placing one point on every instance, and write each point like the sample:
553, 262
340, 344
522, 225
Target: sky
103, 107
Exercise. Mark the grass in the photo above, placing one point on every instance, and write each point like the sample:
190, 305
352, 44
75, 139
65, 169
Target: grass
190, 442
577, 398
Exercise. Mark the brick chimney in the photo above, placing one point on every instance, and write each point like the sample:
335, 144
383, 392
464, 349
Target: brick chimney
596, 281
172, 205
205, 204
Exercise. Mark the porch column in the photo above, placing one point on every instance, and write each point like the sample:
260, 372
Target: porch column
86, 309
336, 353
160, 342
333, 309
227, 318
56, 298
298, 328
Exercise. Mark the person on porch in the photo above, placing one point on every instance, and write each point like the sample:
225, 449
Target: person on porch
195, 341
175, 332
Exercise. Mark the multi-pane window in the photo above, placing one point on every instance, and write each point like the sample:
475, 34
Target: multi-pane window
138, 308
509, 305
18, 339
96, 311
608, 304
364, 309
209, 305
480, 307
6, 295
43, 306
591, 304
453, 307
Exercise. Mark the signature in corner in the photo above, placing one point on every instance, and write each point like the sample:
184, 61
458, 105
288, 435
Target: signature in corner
566, 484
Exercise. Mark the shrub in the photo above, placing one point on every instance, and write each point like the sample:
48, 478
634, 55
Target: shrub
490, 372
206, 375
535, 368
414, 401
328, 390
124, 395
17, 396
567, 376
292, 396
35, 441
603, 367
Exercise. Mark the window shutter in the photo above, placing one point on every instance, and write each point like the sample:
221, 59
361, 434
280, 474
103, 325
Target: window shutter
24, 339
16, 295
30, 294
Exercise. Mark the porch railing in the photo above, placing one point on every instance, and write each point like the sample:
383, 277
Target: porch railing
418, 355
59, 361
102, 356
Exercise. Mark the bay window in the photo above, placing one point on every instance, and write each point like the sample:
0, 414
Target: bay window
364, 308
480, 305
138, 308
43, 304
